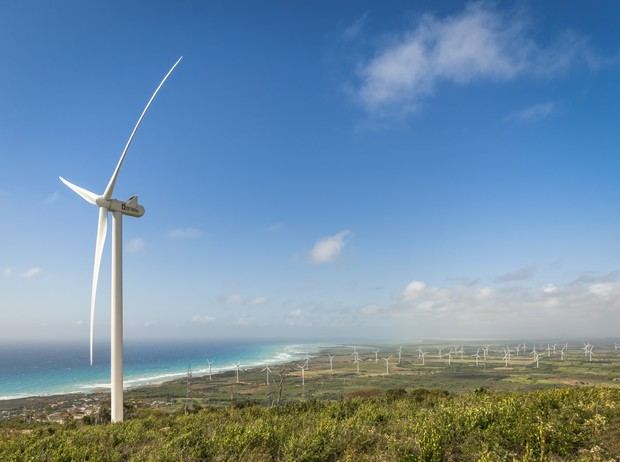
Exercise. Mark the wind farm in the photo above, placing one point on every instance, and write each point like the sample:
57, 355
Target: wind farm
375, 232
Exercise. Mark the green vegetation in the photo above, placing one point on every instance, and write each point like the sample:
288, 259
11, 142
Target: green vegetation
578, 424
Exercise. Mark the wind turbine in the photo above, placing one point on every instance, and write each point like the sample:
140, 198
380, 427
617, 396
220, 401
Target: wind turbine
477, 356
237, 367
376, 356
387, 364
423, 356
357, 363
331, 363
537, 357
303, 375
118, 208
209, 362
268, 371
400, 353
562, 352
586, 348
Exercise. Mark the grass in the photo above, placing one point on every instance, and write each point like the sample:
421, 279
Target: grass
576, 424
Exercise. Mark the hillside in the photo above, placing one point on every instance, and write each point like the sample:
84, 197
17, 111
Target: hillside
556, 424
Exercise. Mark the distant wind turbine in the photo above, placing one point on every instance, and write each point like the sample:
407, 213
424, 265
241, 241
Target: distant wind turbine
118, 208
237, 367
537, 357
387, 364
303, 374
477, 356
357, 363
209, 362
331, 363
268, 371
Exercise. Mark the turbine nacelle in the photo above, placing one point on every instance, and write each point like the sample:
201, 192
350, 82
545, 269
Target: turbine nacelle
129, 207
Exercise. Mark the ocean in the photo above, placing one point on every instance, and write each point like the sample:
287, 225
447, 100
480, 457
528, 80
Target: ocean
56, 368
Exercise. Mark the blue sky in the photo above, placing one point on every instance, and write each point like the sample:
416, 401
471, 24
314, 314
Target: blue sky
315, 170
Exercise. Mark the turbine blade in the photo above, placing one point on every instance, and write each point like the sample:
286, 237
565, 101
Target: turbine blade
85, 194
102, 229
110, 188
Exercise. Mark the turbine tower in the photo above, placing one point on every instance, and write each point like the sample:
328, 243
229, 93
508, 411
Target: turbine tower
118, 208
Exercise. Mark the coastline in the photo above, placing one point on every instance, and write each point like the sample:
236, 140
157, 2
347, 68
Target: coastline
282, 355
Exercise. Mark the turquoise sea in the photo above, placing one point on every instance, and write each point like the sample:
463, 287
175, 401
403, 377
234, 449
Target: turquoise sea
52, 368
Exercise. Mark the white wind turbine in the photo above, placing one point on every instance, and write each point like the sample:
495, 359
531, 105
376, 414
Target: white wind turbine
357, 363
387, 364
450, 358
237, 367
423, 356
537, 357
331, 363
400, 353
477, 356
586, 348
564, 347
118, 208
210, 375
303, 374
268, 371
376, 356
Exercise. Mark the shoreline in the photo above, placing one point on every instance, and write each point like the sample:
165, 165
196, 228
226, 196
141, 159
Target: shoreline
138, 383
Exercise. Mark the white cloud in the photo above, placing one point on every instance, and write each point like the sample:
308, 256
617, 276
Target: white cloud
258, 301
185, 233
202, 319
413, 290
136, 245
329, 248
534, 112
7, 272
31, 272
479, 43
550, 289
589, 298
